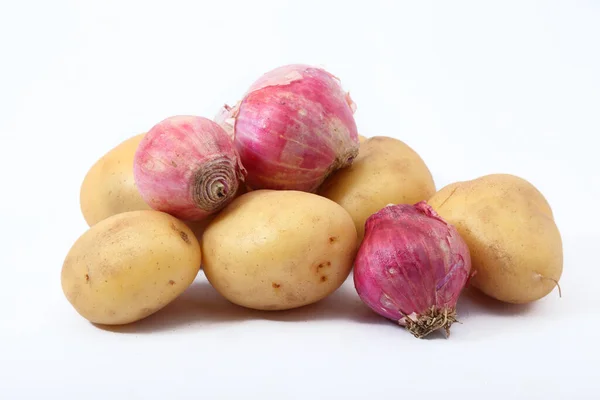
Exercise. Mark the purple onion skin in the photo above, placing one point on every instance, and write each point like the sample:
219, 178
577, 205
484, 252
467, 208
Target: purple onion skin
412, 264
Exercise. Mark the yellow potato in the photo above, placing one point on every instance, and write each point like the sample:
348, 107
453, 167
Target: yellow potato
276, 250
109, 187
386, 171
515, 245
129, 266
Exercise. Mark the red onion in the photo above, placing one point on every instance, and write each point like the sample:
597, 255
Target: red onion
293, 128
411, 267
188, 167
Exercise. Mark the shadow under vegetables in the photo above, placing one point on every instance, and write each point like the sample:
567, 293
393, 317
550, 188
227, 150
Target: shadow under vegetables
201, 304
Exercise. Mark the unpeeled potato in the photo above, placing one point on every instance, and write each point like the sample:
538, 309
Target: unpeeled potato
278, 249
386, 171
109, 188
130, 265
515, 245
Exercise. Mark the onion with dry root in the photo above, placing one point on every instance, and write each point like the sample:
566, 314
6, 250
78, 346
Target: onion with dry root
187, 166
411, 267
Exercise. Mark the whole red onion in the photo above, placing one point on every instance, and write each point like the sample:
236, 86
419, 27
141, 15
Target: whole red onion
411, 267
188, 167
293, 128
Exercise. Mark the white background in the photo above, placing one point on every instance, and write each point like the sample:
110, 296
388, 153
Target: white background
475, 87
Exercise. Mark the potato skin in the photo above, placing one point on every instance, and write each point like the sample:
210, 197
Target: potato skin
109, 188
386, 171
129, 266
278, 249
515, 245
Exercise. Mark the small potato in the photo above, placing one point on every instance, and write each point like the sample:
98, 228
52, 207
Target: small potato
276, 250
515, 245
109, 187
386, 171
129, 266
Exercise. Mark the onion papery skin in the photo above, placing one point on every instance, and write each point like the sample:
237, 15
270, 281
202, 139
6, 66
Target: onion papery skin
293, 128
411, 267
188, 167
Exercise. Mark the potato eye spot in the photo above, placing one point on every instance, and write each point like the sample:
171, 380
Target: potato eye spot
276, 285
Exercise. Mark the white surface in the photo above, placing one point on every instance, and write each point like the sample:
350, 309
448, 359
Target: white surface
475, 88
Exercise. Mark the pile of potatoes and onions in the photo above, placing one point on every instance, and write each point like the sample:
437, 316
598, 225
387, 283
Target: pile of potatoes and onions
278, 198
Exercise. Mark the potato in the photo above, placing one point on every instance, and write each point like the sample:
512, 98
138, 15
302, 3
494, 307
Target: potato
109, 187
276, 250
129, 266
515, 245
386, 171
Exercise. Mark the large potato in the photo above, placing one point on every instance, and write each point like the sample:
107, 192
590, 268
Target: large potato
515, 245
275, 250
109, 187
386, 171
129, 266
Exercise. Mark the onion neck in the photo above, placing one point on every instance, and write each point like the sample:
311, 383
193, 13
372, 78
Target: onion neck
215, 183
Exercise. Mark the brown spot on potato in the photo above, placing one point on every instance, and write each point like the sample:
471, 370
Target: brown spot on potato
333, 239
323, 265
184, 237
181, 233
276, 285
173, 163
323, 278
87, 278
171, 282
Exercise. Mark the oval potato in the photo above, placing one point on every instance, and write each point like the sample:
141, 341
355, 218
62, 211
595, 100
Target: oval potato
515, 245
276, 250
109, 188
129, 266
386, 171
